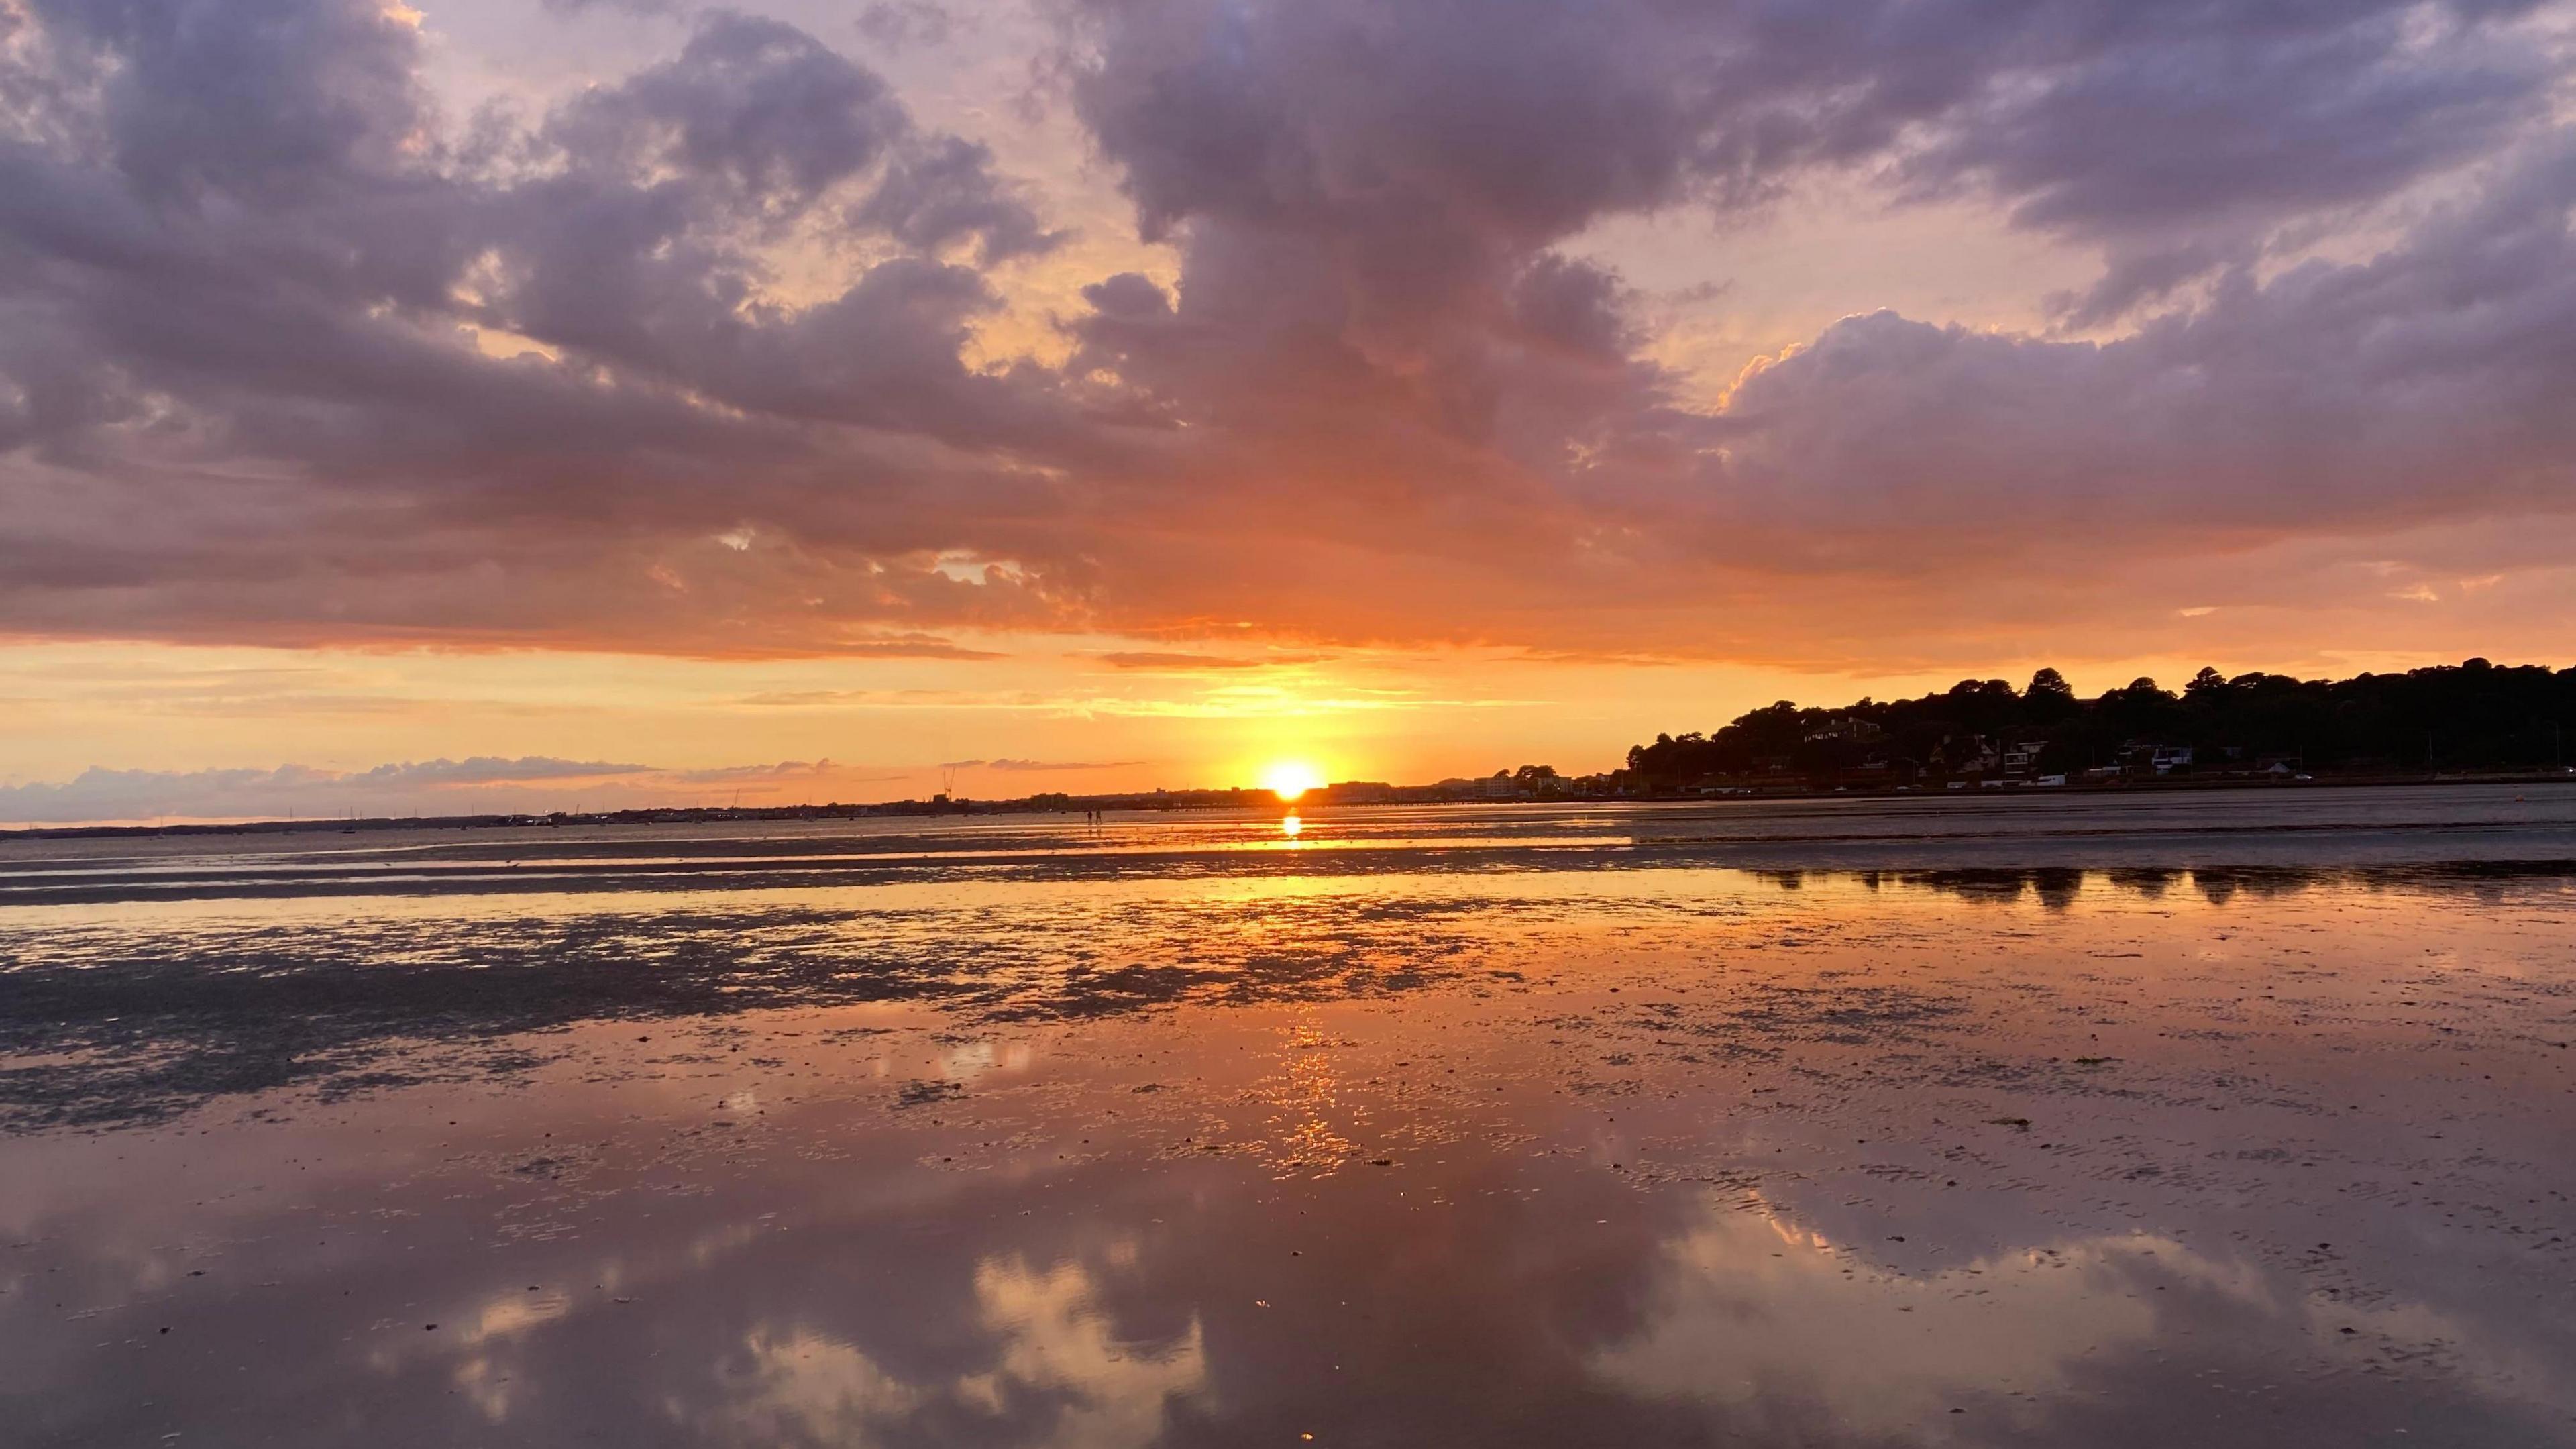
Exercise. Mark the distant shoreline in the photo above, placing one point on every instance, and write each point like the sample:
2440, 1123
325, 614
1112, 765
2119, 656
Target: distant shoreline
1245, 799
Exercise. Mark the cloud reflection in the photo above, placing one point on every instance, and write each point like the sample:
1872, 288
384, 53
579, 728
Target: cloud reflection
1749, 1307
1055, 1374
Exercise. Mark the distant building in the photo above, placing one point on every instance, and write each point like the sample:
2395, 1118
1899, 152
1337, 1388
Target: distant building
1846, 727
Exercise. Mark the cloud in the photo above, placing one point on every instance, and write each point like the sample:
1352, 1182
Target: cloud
632, 7
946, 192
1380, 347
745, 774
1181, 663
911, 646
899, 25
1039, 766
491, 770
483, 785
755, 107
430, 786
2330, 394
694, 360
811, 698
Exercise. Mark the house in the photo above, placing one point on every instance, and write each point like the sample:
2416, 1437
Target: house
1846, 727
1498, 786
2145, 758
2023, 758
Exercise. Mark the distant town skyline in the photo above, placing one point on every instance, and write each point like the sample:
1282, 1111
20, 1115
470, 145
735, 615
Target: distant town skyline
478, 399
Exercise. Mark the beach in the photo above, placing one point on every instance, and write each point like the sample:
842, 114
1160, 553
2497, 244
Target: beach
2211, 1118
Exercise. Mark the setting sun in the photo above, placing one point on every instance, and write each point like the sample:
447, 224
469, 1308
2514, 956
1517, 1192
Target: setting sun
1290, 779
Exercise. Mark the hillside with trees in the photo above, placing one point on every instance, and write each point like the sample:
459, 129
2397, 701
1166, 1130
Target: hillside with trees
2475, 717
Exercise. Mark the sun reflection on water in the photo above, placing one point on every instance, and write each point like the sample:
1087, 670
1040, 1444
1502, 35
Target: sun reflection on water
1291, 826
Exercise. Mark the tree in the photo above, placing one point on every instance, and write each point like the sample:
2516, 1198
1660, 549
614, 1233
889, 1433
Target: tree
2474, 715
2050, 700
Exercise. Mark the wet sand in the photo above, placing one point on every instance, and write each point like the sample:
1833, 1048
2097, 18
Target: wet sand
1991, 1125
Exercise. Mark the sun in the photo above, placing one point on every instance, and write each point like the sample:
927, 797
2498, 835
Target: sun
1289, 779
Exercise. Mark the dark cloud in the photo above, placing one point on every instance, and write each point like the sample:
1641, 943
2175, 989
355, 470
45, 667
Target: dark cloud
1375, 208
287, 354
1434, 142
240, 267
2416, 386
631, 7
2175, 142
945, 192
757, 106
906, 24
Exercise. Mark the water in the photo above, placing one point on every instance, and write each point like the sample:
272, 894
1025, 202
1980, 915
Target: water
2192, 1118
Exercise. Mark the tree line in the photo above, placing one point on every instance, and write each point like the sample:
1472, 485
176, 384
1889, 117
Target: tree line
2475, 716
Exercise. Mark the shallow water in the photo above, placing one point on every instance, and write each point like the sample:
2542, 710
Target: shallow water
2207, 1119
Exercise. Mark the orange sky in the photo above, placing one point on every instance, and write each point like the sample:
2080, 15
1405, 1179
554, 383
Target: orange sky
795, 731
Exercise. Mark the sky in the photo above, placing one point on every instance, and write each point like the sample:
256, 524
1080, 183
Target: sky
579, 403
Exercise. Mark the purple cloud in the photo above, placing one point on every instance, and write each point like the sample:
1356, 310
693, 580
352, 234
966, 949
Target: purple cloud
289, 355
